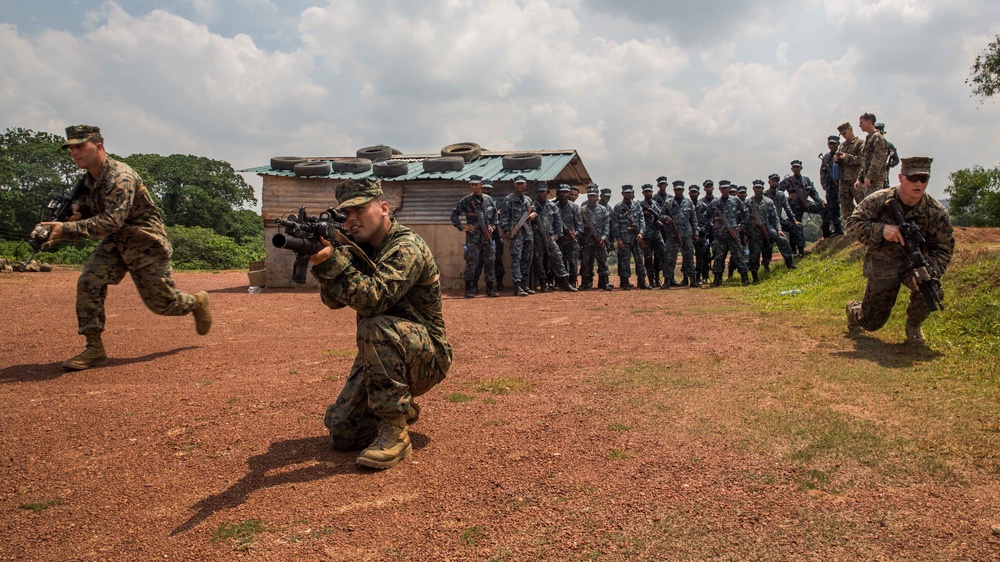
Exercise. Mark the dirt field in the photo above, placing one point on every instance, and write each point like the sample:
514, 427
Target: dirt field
564, 449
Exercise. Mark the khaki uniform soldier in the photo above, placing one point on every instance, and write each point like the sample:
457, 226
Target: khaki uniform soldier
390, 278
133, 240
874, 156
848, 159
885, 262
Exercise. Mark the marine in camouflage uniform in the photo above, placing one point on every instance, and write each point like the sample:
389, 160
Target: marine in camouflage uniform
722, 240
832, 225
391, 279
764, 230
520, 240
874, 156
595, 241
681, 219
124, 218
885, 261
629, 226
703, 250
478, 236
652, 235
893, 160
498, 267
569, 241
848, 159
548, 228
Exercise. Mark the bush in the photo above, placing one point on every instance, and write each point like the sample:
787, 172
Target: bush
202, 248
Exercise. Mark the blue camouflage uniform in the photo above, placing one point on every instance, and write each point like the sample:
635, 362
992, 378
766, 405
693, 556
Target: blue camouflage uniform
681, 220
628, 224
569, 241
652, 235
548, 228
722, 240
512, 208
597, 228
764, 230
478, 244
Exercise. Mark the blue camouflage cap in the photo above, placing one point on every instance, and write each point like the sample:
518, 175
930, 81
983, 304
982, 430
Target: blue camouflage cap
758, 183
475, 178
563, 188
724, 183
797, 163
773, 177
593, 189
693, 188
520, 179
647, 187
541, 186
678, 183
832, 138
741, 189
707, 183
605, 191
487, 183
661, 179
627, 189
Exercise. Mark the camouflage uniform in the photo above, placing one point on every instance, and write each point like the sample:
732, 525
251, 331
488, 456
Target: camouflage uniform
133, 240
569, 245
850, 168
885, 266
627, 236
599, 218
522, 243
403, 350
723, 241
759, 243
547, 225
832, 225
684, 216
703, 255
874, 156
655, 250
785, 218
479, 250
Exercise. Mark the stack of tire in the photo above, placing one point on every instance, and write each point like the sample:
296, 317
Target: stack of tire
302, 167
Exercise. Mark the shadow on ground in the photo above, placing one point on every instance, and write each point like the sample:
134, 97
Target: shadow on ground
890, 356
36, 372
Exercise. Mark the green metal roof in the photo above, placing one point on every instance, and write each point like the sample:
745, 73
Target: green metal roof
489, 165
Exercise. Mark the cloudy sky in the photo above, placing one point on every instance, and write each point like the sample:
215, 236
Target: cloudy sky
641, 88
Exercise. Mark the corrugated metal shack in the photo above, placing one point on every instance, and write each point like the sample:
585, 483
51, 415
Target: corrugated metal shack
420, 200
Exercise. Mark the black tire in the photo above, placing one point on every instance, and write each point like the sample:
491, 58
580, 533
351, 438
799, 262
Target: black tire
469, 151
390, 168
286, 162
522, 161
396, 152
351, 165
312, 168
375, 153
444, 164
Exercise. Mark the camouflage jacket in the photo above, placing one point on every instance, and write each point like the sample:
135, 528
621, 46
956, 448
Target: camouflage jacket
662, 198
549, 218
826, 180
704, 216
569, 213
684, 215
850, 167
124, 216
781, 206
768, 215
467, 206
612, 228
875, 155
623, 227
511, 209
734, 210
599, 218
652, 215
404, 284
805, 186
887, 260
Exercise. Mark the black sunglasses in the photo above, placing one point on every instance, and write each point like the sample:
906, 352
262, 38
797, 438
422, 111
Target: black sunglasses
918, 178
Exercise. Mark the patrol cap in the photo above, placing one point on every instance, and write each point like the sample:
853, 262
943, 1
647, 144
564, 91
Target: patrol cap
724, 183
758, 183
774, 177
475, 179
880, 126
351, 193
796, 163
843, 127
605, 191
541, 186
741, 189
678, 183
487, 183
563, 188
627, 189
520, 179
707, 183
574, 188
592, 189
694, 187
832, 138
661, 179
79, 134
647, 187
915, 165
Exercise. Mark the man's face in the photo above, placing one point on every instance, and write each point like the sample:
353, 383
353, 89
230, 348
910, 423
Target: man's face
541, 195
574, 195
628, 196
848, 133
662, 187
86, 155
742, 195
912, 187
476, 188
562, 195
724, 192
708, 190
592, 199
758, 191
693, 195
368, 221
679, 192
519, 186
605, 198
773, 182
832, 145
647, 195
796, 171
866, 125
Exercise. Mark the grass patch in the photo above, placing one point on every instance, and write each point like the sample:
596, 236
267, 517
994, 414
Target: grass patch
618, 427
341, 352
458, 397
617, 454
39, 506
502, 385
651, 374
473, 535
241, 534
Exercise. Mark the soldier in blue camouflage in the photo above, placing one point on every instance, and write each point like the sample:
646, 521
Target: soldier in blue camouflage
124, 218
478, 236
741, 194
728, 238
548, 229
661, 196
832, 225
809, 201
613, 234
785, 218
498, 241
885, 263
386, 273
703, 250
765, 230
681, 220
569, 241
596, 240
515, 215
652, 235
629, 226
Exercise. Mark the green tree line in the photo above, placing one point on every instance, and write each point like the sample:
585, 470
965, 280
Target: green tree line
203, 202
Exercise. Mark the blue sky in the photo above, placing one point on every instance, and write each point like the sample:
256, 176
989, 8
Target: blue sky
642, 88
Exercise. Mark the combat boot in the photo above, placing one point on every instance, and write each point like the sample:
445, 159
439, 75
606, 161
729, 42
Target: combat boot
470, 293
564, 285
790, 264
500, 287
695, 282
716, 279
519, 290
491, 291
674, 283
624, 284
527, 288
586, 283
643, 285
915, 336
745, 278
412, 413
753, 273
391, 445
684, 282
92, 356
202, 312
603, 283
767, 266
853, 326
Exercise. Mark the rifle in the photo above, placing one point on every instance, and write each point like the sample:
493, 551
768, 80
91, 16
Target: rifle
537, 222
593, 234
631, 225
60, 208
928, 282
522, 220
302, 236
669, 218
481, 216
760, 224
725, 221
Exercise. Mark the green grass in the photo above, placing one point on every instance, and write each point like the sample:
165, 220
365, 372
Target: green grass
39, 506
473, 535
341, 352
241, 534
458, 398
617, 454
502, 385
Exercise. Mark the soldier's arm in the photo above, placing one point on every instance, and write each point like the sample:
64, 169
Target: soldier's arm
118, 198
503, 215
877, 170
370, 295
940, 237
852, 157
863, 224
456, 213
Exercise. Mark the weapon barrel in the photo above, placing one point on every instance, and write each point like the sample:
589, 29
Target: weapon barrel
306, 246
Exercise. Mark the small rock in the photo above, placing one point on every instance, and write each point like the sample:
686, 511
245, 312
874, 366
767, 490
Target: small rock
996, 530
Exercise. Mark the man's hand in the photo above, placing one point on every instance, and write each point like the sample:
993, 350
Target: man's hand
469, 228
322, 255
621, 245
506, 236
868, 183
491, 229
891, 233
56, 232
857, 184
638, 237
601, 243
532, 216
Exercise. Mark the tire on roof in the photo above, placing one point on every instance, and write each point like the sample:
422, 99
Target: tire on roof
467, 150
351, 165
444, 164
522, 161
312, 168
390, 168
286, 162
375, 153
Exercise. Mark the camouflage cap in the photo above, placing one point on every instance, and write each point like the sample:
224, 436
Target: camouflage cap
661, 180
592, 189
474, 178
627, 189
541, 186
724, 183
774, 177
678, 183
520, 179
741, 189
605, 191
563, 188
880, 126
832, 138
487, 183
707, 183
758, 183
694, 187
843, 127
647, 187
915, 165
79, 134
574, 188
796, 163
351, 193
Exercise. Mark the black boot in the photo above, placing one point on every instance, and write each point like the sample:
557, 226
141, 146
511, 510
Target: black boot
716, 279
643, 285
790, 264
470, 291
603, 283
753, 273
695, 283
586, 283
519, 290
564, 285
491, 291
767, 266
624, 284
684, 281
745, 278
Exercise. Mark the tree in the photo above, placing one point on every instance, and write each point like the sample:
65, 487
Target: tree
33, 167
985, 78
975, 197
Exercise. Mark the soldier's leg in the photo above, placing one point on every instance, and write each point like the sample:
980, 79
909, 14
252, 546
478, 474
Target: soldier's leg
916, 312
558, 264
498, 269
719, 249
104, 267
488, 260
647, 261
587, 265
874, 309
515, 259
757, 245
640, 266
833, 210
669, 264
687, 258
846, 198
624, 265
157, 289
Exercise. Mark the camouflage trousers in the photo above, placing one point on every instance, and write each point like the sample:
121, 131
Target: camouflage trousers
571, 256
555, 258
831, 214
477, 254
686, 249
880, 296
625, 254
396, 362
796, 236
723, 244
783, 247
703, 255
498, 268
522, 247
592, 252
847, 199
106, 267
653, 254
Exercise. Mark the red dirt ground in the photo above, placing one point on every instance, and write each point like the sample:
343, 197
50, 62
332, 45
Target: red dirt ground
148, 456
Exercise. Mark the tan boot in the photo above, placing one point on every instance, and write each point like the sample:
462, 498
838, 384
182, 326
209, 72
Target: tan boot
202, 313
391, 445
853, 327
915, 336
92, 356
412, 413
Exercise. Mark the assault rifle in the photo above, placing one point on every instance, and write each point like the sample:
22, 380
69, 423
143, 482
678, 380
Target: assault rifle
60, 209
481, 217
522, 220
725, 221
760, 224
632, 227
302, 236
546, 237
670, 222
928, 281
593, 234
